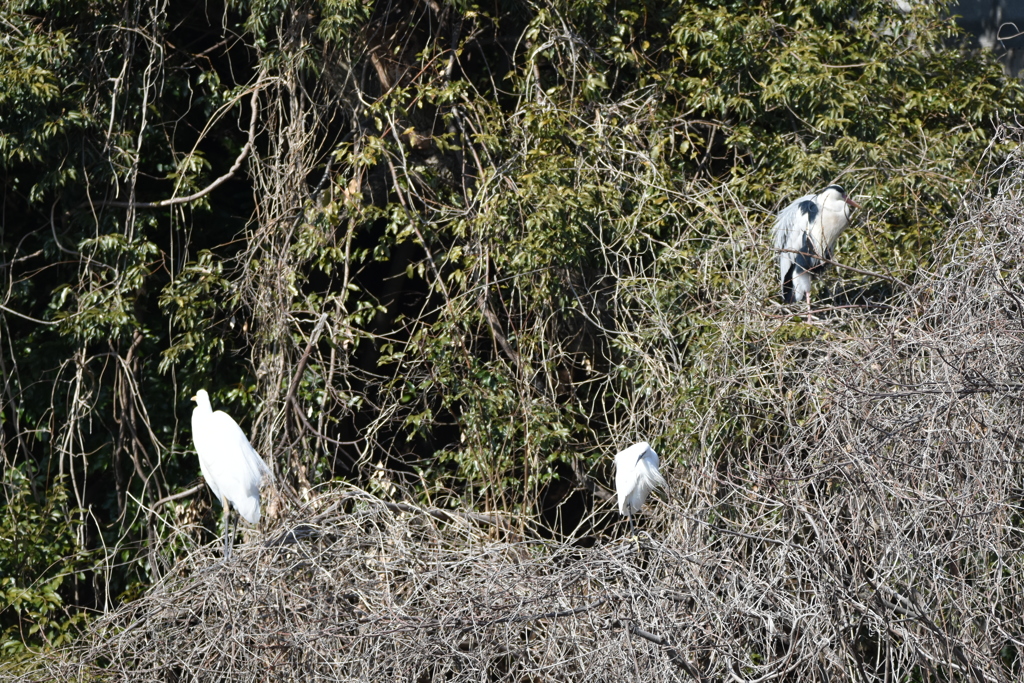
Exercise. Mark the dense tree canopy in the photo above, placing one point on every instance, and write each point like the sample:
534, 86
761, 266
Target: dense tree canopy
419, 246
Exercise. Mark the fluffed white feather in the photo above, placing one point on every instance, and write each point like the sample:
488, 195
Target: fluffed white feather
232, 468
636, 475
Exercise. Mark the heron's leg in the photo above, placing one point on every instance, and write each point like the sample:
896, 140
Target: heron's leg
810, 312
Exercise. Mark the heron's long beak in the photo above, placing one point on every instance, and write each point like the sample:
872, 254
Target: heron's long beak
852, 203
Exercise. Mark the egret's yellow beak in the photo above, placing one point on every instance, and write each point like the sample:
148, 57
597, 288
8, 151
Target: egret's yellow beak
194, 398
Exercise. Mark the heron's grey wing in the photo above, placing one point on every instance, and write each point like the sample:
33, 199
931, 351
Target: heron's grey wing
793, 222
789, 234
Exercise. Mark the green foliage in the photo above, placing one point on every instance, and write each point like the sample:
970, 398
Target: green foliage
529, 228
737, 105
190, 302
37, 105
40, 559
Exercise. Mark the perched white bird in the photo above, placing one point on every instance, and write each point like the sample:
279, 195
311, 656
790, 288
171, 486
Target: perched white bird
232, 468
636, 475
804, 233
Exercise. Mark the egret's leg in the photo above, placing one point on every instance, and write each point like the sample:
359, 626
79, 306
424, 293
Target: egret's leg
227, 535
632, 533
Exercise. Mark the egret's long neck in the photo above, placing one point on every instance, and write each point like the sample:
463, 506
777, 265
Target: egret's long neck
203, 409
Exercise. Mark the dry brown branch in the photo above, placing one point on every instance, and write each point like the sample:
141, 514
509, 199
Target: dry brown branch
869, 273
26, 317
199, 194
365, 592
177, 496
862, 523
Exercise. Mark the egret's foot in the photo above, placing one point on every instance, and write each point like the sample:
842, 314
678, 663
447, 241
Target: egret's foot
635, 538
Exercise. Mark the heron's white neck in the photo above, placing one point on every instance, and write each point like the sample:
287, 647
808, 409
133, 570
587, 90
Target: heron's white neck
834, 220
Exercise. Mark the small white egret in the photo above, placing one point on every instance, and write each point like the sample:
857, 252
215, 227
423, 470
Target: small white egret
804, 233
232, 468
636, 475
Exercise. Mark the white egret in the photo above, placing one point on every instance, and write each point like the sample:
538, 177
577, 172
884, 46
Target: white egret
636, 475
232, 468
804, 233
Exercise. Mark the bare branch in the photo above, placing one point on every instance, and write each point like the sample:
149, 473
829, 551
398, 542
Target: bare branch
246, 149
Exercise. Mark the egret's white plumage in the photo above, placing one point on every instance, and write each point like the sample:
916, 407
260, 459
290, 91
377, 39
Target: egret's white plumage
636, 475
804, 233
232, 468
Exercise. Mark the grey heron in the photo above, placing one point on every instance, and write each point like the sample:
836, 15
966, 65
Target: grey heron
805, 233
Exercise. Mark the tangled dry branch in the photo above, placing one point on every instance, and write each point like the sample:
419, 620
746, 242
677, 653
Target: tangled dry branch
882, 542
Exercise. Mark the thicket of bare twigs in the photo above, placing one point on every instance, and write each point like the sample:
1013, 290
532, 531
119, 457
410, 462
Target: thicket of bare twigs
884, 542
455, 255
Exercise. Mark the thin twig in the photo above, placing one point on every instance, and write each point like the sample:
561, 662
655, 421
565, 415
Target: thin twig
199, 194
